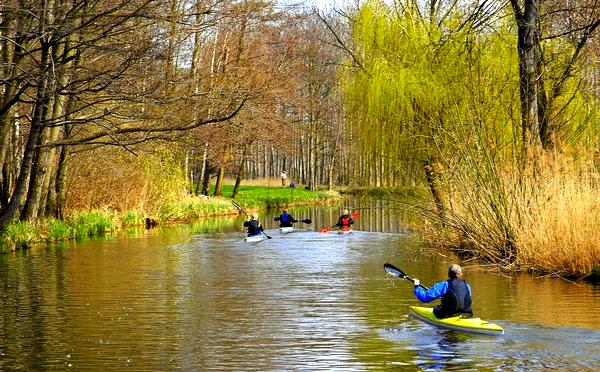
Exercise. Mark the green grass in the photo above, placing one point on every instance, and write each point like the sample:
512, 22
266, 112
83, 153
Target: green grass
54, 230
278, 197
18, 235
90, 223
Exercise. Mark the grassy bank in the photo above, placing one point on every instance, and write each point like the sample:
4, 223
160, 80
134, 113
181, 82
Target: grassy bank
82, 224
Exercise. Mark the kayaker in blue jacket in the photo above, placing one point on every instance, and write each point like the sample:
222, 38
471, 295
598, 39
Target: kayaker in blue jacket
454, 292
285, 219
254, 227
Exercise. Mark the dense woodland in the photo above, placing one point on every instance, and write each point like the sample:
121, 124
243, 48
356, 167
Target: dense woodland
493, 105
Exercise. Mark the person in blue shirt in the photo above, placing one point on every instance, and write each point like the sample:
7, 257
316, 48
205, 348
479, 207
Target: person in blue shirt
254, 227
455, 294
285, 219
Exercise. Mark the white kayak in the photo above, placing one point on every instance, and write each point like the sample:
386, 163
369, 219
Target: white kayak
255, 238
345, 230
285, 230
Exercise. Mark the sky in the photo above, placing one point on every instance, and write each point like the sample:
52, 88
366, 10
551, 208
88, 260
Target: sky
321, 4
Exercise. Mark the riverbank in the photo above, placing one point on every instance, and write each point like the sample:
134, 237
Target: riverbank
83, 224
558, 239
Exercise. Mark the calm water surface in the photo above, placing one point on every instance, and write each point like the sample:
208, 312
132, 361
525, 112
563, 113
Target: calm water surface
200, 298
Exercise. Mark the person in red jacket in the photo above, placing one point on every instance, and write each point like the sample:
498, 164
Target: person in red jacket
345, 220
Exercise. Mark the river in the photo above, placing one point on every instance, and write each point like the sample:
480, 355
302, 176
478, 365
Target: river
198, 297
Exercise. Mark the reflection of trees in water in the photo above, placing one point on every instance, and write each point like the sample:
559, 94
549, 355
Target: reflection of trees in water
375, 215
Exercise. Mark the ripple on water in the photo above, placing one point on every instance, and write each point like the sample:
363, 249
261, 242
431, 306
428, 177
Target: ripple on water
301, 301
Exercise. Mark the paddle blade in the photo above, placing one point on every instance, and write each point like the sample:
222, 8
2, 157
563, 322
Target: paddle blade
355, 215
393, 270
325, 230
307, 221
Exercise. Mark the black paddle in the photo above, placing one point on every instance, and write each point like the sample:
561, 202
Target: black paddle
393, 270
307, 221
242, 210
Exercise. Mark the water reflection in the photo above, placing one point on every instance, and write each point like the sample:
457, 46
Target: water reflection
198, 297
374, 216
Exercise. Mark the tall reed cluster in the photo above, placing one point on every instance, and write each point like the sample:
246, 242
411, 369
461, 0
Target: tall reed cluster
540, 214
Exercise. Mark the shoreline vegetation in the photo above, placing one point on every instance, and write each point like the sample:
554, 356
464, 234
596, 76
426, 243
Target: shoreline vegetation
89, 223
545, 225
571, 259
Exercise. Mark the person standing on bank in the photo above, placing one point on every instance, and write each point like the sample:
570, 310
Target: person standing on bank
254, 227
283, 178
345, 220
285, 219
454, 292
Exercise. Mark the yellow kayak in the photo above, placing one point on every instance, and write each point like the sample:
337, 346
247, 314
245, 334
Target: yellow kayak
457, 323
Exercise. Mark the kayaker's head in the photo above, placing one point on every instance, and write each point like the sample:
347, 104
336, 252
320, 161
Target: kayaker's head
285, 210
345, 212
454, 272
254, 216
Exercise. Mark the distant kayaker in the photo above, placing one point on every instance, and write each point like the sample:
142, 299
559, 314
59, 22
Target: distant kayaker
454, 292
254, 227
285, 219
345, 220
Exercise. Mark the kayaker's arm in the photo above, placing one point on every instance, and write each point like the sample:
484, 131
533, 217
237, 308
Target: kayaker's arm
437, 291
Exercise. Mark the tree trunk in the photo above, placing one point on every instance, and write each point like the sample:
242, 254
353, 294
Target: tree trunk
6, 123
57, 208
40, 107
219, 182
9, 52
36, 181
206, 178
433, 182
534, 119
201, 175
240, 175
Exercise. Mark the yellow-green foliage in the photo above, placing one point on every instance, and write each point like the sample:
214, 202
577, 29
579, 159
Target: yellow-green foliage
447, 92
165, 183
191, 207
425, 88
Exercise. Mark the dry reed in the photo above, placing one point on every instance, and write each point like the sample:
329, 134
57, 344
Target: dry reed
540, 216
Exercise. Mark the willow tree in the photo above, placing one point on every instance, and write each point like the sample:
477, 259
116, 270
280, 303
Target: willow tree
419, 87
444, 88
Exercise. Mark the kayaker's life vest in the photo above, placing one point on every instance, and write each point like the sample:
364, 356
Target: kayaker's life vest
284, 220
253, 227
345, 221
457, 300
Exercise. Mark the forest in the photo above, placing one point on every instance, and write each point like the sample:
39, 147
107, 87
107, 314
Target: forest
492, 106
